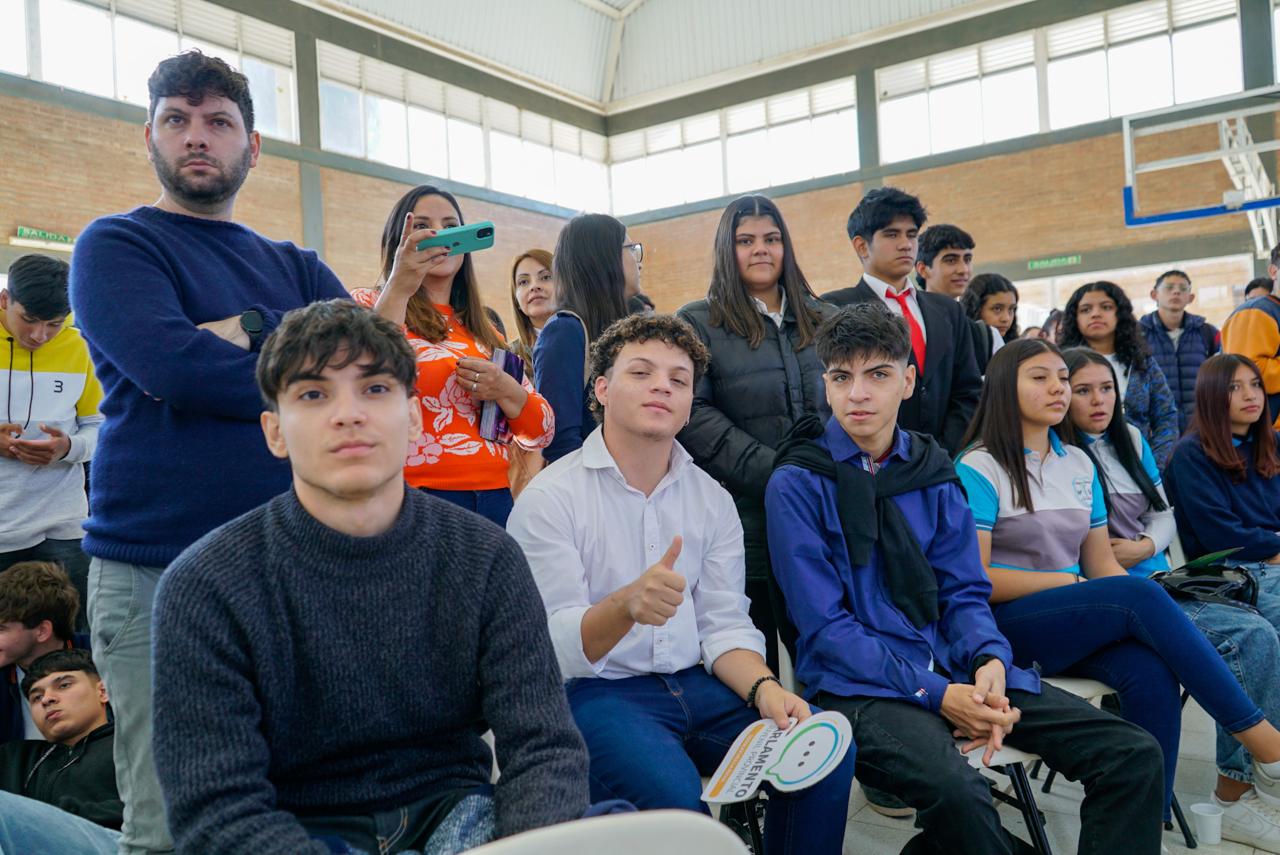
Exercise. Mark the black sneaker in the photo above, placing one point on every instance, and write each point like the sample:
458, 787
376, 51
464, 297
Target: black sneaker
886, 804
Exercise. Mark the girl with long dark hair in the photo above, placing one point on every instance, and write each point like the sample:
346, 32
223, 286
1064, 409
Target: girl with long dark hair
434, 296
1058, 594
1227, 467
758, 320
1139, 518
993, 300
1224, 479
596, 269
1099, 315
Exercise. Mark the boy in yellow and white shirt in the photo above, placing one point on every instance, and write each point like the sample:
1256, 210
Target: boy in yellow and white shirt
49, 421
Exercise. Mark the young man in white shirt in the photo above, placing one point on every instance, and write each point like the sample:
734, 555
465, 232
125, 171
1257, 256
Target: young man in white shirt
638, 556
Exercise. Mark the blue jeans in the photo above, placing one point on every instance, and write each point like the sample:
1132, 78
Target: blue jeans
493, 505
651, 738
1128, 633
28, 826
1249, 643
120, 600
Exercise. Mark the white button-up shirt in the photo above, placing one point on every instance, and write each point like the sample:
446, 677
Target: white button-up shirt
587, 533
913, 300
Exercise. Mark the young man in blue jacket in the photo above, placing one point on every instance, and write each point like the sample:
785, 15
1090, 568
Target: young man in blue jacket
907, 648
1180, 340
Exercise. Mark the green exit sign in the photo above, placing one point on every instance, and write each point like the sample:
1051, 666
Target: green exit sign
40, 234
1056, 261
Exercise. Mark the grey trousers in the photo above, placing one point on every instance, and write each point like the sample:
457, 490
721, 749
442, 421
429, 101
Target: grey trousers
120, 600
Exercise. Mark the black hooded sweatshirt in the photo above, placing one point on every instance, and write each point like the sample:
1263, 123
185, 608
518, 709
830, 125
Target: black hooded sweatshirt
80, 778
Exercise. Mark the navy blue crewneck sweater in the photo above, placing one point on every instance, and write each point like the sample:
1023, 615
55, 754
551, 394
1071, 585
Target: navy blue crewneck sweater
180, 450
299, 670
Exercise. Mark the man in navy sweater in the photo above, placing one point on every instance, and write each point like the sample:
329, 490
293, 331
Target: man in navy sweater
326, 663
174, 299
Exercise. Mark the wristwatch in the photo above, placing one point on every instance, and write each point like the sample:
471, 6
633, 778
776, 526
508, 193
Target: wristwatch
251, 323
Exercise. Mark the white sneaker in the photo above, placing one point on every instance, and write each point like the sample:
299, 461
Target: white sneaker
1252, 821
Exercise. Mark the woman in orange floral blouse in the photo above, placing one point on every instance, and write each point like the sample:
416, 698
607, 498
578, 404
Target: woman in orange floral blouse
434, 296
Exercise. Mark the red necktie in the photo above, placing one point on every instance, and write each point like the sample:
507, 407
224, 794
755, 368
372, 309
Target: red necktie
917, 334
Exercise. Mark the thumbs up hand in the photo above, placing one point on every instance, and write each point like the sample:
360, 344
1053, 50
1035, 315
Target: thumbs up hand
654, 597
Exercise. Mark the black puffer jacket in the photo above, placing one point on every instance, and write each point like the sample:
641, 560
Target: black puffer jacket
744, 407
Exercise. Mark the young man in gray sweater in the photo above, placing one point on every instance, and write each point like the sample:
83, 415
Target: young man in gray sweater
325, 665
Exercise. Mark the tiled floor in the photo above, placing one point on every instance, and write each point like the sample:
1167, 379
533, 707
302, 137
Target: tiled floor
868, 833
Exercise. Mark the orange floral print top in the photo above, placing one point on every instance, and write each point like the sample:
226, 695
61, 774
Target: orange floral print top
450, 454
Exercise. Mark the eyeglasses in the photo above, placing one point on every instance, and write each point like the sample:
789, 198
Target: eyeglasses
1175, 288
636, 249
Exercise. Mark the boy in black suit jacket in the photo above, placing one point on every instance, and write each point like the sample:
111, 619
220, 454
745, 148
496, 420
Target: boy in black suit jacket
884, 229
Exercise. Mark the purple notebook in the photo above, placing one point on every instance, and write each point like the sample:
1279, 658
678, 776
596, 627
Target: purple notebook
493, 423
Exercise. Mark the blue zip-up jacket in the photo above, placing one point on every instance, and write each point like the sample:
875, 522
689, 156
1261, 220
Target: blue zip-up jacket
853, 642
1181, 362
1215, 513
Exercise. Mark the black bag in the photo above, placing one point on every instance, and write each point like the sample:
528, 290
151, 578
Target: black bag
1207, 581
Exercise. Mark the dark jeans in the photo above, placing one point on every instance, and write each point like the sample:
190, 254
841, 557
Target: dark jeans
64, 552
493, 505
1128, 633
650, 738
406, 828
908, 751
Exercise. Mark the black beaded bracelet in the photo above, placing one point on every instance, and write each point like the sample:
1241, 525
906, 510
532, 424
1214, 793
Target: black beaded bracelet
755, 687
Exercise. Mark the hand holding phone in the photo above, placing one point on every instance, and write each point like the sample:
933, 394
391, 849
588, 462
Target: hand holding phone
472, 237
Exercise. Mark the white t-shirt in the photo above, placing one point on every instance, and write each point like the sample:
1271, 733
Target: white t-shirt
1122, 374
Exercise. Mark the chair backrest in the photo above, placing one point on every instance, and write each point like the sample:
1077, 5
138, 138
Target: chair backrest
663, 831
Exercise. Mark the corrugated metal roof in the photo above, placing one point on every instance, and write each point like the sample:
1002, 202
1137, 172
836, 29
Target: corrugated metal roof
665, 44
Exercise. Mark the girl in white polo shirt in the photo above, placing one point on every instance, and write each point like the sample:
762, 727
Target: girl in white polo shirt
1042, 531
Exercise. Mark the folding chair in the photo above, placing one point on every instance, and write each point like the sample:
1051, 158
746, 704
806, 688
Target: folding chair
1094, 691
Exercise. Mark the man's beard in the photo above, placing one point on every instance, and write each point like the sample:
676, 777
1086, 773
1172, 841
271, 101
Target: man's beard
209, 190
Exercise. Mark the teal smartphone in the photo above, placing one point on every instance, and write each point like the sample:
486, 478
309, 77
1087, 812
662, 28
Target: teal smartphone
472, 237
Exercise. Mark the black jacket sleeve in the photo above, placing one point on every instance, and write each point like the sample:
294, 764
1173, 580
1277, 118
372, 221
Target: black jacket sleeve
966, 386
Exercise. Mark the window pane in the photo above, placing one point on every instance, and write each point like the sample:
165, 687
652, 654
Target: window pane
341, 122
506, 163
904, 127
835, 143
386, 128
703, 174
581, 184
539, 172
629, 180
1078, 90
75, 46
271, 86
1140, 75
139, 49
13, 36
428, 143
1194, 75
229, 55
665, 180
788, 158
955, 115
466, 152
1009, 104
747, 156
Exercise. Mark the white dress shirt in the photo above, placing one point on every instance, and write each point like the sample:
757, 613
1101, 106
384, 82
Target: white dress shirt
777, 317
587, 533
913, 301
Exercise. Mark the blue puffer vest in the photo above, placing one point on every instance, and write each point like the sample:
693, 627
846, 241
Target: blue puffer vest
1180, 364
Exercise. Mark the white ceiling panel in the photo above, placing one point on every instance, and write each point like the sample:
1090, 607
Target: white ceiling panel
666, 47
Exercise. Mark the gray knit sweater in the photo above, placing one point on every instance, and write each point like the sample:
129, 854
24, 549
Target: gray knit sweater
299, 670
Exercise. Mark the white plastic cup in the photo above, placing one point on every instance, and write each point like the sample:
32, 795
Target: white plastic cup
1208, 822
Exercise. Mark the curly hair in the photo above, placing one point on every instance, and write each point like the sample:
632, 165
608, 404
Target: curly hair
1131, 344
637, 329
193, 76
35, 591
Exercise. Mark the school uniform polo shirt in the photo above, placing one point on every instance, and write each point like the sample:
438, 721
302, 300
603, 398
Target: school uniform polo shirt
1065, 493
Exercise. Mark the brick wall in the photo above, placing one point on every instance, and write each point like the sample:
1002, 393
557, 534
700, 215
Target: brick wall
1043, 202
61, 168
